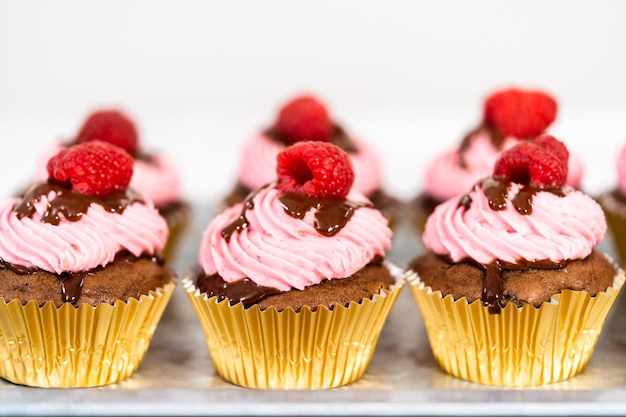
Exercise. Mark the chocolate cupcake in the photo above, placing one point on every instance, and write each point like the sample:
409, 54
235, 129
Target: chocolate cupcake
509, 116
301, 253
511, 288
156, 175
306, 118
82, 280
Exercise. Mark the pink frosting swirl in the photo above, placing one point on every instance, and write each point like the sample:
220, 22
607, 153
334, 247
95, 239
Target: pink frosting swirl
257, 164
558, 229
279, 251
159, 179
73, 246
446, 178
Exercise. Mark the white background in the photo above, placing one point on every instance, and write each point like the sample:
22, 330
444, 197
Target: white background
408, 76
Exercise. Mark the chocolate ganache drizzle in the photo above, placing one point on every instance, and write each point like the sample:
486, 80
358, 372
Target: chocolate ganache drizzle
496, 190
330, 217
72, 205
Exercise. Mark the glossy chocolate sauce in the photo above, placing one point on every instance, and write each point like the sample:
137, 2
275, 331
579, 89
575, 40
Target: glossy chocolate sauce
496, 190
71, 203
492, 295
243, 291
330, 215
338, 136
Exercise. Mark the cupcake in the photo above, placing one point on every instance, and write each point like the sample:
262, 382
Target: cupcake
292, 287
613, 203
511, 287
306, 118
82, 281
155, 175
509, 116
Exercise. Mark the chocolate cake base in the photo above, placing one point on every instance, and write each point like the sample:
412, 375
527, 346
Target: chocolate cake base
533, 286
361, 285
126, 277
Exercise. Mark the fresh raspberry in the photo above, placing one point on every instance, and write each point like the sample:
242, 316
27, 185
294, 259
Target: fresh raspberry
553, 144
316, 169
523, 114
303, 118
110, 126
540, 164
94, 167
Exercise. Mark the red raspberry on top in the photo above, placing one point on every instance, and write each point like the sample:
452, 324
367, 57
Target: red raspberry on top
110, 126
316, 169
94, 168
303, 118
542, 162
520, 113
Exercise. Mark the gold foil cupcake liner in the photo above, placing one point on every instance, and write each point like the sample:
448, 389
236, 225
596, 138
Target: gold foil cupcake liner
71, 347
287, 350
519, 347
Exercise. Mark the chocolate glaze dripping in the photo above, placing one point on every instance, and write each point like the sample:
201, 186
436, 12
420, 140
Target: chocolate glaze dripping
330, 217
496, 190
72, 287
338, 136
493, 290
243, 291
241, 222
70, 203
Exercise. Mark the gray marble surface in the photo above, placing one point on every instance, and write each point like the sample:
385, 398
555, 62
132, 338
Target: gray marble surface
178, 378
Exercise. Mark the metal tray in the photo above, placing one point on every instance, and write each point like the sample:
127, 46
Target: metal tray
178, 378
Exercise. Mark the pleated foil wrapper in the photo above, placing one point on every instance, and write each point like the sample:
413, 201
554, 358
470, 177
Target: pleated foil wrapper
521, 346
267, 349
74, 347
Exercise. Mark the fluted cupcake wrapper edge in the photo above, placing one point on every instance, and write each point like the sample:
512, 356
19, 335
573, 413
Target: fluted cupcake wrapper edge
73, 347
267, 349
521, 346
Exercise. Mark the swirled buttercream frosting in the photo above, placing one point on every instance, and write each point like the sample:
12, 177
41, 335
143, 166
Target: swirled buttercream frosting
291, 241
